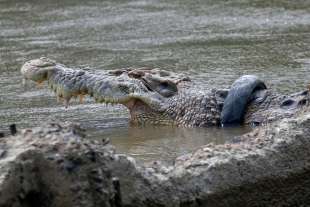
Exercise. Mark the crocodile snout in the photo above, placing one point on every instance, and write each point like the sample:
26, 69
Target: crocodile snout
37, 69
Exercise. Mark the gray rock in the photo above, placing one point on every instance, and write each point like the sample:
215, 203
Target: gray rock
53, 165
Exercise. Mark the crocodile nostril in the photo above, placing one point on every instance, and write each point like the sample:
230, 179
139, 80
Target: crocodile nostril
287, 103
302, 102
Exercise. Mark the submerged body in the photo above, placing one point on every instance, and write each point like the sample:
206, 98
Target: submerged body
155, 96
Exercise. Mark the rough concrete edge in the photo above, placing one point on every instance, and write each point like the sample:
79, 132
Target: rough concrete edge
278, 150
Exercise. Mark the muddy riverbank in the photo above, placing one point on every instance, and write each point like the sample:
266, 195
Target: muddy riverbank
53, 165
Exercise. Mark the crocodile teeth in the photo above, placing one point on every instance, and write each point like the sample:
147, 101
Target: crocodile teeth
24, 81
66, 102
59, 99
107, 101
81, 98
39, 84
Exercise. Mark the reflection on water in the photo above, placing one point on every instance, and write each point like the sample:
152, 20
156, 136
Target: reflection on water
214, 42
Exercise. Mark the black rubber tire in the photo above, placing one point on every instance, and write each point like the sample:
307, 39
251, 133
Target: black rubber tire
238, 98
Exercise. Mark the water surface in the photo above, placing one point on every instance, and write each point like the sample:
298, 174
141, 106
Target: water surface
214, 42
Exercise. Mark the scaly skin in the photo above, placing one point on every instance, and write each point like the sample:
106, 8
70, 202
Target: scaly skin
156, 96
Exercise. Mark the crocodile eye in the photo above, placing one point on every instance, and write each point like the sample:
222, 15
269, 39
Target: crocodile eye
302, 102
167, 89
287, 103
164, 85
255, 124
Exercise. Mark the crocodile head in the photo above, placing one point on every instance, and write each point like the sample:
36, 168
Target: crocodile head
143, 91
155, 96
268, 106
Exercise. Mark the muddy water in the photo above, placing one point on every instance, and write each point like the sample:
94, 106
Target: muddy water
214, 42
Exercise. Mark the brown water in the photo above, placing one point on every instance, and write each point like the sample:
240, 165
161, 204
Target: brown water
214, 42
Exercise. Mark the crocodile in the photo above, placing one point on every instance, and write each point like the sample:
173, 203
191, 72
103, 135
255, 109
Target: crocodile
160, 97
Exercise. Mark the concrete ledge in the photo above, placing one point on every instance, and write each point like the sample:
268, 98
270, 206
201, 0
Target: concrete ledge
53, 165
